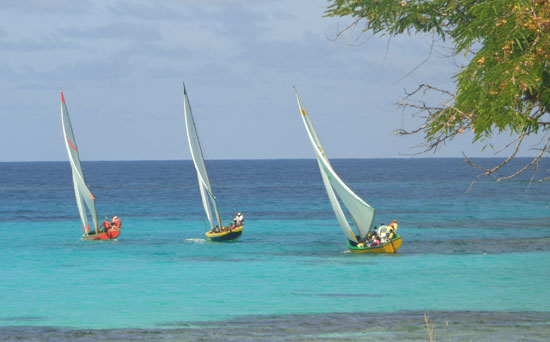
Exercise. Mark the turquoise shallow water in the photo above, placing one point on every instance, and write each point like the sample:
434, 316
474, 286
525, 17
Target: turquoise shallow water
485, 251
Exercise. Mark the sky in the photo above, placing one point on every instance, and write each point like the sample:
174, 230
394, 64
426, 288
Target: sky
121, 65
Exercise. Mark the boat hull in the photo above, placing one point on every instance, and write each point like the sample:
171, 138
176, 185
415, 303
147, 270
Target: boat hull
231, 234
110, 235
389, 247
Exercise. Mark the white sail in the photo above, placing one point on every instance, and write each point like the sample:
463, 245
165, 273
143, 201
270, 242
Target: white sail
361, 213
80, 205
81, 191
198, 159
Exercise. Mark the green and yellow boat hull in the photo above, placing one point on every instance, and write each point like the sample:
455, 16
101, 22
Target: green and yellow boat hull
389, 247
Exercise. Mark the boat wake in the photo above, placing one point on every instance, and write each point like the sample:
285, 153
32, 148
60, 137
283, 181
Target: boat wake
196, 240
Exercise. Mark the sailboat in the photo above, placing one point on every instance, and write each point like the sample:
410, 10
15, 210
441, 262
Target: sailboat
84, 197
215, 233
360, 211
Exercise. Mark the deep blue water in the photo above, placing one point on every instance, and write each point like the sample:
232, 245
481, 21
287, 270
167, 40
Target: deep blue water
477, 259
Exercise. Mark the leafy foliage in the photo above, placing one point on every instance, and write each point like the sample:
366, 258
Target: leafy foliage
505, 86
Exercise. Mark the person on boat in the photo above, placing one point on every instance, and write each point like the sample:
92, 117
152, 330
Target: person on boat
370, 234
116, 223
238, 220
106, 225
382, 230
392, 228
386, 232
374, 241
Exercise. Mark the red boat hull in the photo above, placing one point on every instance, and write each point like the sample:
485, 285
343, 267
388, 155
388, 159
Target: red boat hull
111, 234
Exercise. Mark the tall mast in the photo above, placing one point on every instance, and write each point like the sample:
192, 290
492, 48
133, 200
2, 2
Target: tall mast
82, 193
198, 161
361, 213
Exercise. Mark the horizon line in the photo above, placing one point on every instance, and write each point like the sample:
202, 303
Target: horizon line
251, 159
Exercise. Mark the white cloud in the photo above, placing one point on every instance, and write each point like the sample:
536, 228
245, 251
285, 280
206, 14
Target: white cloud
122, 63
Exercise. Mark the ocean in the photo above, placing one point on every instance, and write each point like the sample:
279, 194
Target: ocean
474, 262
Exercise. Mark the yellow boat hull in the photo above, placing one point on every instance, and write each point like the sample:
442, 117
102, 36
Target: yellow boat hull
389, 247
229, 234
